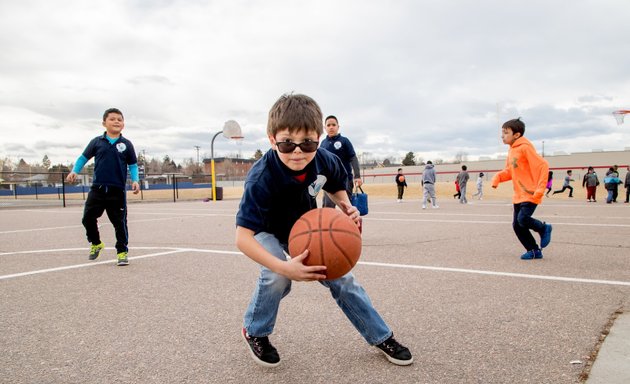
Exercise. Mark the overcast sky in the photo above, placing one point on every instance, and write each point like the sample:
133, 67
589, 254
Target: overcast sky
432, 77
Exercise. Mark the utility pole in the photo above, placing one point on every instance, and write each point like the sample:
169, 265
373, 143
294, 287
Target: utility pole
197, 148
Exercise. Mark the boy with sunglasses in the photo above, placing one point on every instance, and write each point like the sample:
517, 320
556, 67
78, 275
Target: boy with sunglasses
279, 189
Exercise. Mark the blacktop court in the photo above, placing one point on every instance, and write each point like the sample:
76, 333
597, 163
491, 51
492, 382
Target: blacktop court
448, 281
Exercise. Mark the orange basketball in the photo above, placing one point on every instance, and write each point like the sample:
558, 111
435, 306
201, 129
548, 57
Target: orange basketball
401, 178
332, 239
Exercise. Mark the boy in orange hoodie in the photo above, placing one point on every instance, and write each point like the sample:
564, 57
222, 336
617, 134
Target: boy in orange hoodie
528, 172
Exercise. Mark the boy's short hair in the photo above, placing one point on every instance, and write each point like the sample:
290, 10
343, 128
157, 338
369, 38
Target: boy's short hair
570, 171
515, 125
464, 167
112, 110
399, 169
332, 117
295, 113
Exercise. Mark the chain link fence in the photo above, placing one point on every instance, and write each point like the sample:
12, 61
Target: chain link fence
26, 189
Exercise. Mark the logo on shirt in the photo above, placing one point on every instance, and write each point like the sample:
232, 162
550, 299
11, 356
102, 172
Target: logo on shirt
121, 147
316, 185
337, 144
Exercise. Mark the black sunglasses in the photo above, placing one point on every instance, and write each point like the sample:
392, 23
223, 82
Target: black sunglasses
306, 146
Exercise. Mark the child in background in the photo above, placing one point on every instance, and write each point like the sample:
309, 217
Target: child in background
479, 187
611, 182
549, 183
528, 172
567, 184
462, 180
458, 191
112, 155
428, 186
401, 184
590, 181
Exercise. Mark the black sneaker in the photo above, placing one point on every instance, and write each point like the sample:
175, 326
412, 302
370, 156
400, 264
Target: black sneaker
261, 350
394, 352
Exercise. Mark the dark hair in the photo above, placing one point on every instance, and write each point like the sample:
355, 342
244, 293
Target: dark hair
400, 169
112, 110
295, 113
464, 167
591, 168
481, 174
331, 117
429, 162
569, 171
515, 125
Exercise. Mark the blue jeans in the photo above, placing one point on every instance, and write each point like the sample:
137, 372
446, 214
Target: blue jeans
260, 317
611, 196
523, 222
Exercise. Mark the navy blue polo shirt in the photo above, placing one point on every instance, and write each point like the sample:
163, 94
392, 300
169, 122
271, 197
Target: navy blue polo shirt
273, 199
341, 147
110, 160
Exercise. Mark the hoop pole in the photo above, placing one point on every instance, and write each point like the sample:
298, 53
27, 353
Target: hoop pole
214, 180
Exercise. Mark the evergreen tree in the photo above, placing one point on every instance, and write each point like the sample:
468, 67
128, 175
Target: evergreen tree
46, 162
409, 159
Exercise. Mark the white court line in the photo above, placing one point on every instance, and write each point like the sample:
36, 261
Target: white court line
494, 273
366, 263
92, 264
446, 213
81, 226
496, 222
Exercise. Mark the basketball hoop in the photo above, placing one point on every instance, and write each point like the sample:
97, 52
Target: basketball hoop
232, 130
619, 115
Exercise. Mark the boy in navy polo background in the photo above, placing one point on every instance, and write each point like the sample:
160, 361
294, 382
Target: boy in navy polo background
112, 154
280, 188
342, 147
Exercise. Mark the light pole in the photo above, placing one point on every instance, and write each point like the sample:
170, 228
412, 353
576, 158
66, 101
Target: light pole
197, 148
231, 130
197, 165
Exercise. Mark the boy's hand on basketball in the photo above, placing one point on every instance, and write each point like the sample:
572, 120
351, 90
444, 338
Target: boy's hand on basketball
351, 211
300, 272
71, 177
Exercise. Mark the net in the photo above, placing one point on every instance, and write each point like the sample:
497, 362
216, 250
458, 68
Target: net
619, 115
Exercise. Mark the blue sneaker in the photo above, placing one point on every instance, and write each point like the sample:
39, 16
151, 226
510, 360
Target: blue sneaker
533, 254
545, 236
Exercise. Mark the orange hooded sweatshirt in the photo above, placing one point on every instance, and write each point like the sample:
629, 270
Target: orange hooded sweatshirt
527, 170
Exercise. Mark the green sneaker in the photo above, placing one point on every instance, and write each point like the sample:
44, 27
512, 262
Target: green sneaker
95, 250
122, 259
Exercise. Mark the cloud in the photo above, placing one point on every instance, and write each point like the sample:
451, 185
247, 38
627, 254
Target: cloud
434, 78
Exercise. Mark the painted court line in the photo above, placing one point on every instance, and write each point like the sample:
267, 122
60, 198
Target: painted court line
92, 264
81, 226
496, 222
171, 251
494, 273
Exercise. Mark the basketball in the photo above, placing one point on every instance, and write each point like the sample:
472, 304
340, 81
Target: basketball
401, 178
331, 237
